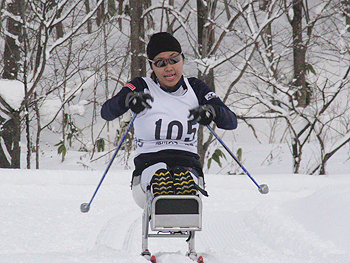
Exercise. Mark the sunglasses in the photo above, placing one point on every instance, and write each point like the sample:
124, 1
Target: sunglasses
160, 63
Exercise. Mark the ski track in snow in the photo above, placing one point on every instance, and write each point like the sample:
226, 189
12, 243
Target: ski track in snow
303, 219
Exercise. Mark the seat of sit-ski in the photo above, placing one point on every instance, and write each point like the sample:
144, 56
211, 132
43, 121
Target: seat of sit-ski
176, 213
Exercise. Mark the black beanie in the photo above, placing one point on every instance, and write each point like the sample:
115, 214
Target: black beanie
162, 42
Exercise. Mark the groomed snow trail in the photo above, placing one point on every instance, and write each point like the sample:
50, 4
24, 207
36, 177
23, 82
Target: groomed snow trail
302, 219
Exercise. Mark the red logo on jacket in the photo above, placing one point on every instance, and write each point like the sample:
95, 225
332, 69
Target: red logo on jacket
130, 86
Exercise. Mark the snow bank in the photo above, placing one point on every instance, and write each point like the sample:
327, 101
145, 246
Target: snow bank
12, 91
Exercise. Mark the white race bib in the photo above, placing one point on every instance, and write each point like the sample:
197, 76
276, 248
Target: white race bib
166, 125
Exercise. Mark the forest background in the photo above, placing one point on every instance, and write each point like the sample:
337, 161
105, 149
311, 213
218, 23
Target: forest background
281, 65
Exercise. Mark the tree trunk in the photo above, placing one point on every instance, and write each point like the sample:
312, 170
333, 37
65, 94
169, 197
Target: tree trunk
38, 131
100, 14
205, 42
346, 4
12, 50
138, 62
28, 137
11, 128
88, 22
59, 26
299, 55
296, 155
10, 143
120, 12
299, 59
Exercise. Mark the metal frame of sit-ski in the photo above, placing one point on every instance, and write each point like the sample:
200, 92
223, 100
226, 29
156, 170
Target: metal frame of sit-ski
172, 216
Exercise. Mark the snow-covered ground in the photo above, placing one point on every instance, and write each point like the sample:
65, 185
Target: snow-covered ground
303, 218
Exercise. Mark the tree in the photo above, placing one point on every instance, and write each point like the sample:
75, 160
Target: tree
206, 37
345, 6
38, 21
78, 74
272, 92
137, 39
299, 54
228, 49
281, 61
11, 125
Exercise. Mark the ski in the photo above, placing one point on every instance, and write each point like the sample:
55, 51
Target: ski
153, 259
200, 259
193, 255
147, 255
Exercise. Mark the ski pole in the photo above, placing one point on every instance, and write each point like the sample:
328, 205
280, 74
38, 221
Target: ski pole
263, 188
85, 207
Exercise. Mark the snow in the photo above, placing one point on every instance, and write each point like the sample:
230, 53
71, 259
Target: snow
303, 219
50, 108
16, 95
78, 108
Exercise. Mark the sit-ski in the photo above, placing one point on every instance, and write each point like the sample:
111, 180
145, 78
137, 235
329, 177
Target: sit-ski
172, 216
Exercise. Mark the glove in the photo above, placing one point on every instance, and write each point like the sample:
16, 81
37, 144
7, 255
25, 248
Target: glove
203, 114
137, 101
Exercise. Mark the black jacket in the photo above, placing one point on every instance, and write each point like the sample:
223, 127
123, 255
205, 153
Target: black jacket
225, 119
